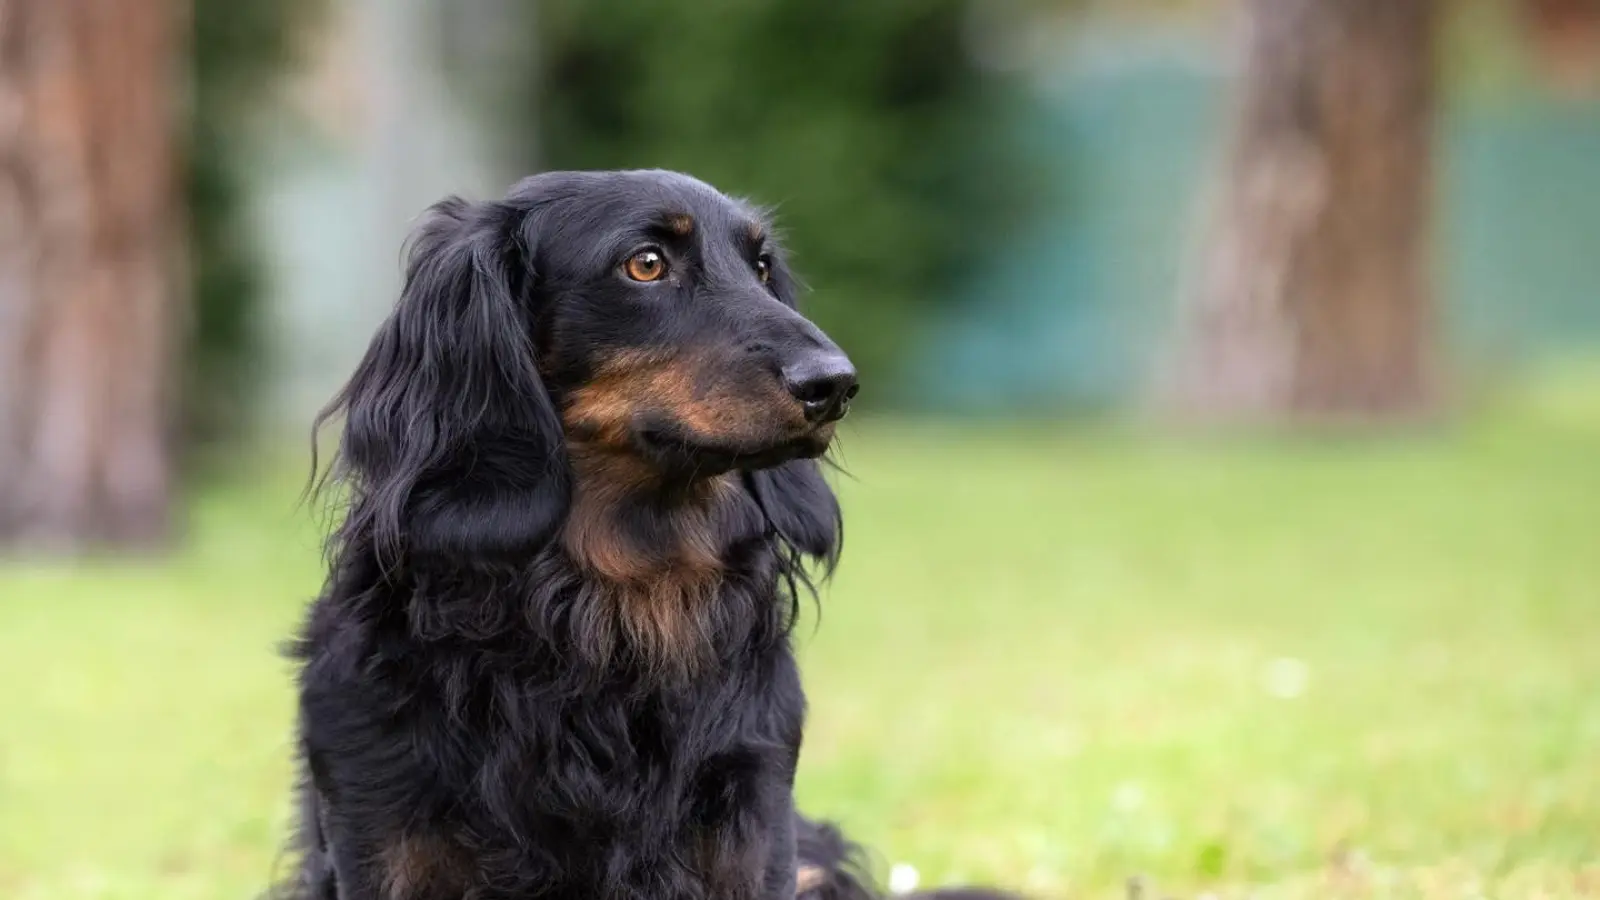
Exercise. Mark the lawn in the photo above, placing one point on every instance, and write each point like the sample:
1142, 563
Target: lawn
1051, 659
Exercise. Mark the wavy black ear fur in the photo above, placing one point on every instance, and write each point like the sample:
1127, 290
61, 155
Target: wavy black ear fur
452, 446
801, 508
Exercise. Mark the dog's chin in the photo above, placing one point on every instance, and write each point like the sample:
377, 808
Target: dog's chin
681, 455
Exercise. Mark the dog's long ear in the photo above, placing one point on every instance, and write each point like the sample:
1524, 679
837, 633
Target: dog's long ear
451, 442
801, 508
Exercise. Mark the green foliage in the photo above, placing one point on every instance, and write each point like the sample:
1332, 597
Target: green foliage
864, 124
239, 48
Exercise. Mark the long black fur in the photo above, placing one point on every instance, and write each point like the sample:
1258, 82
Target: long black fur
473, 722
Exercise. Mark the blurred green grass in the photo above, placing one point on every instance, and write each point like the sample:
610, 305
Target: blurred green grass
1051, 659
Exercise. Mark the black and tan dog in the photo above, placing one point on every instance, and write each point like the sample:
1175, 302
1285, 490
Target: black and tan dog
552, 658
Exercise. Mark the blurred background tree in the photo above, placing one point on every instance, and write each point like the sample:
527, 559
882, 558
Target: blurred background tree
1565, 36
92, 304
1314, 296
102, 357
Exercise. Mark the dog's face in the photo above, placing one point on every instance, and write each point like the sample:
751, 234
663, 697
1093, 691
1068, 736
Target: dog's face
664, 319
589, 318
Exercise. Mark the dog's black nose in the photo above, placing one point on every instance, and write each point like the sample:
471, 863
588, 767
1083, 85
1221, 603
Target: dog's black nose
824, 383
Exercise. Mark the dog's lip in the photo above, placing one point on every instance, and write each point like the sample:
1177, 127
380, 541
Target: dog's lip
663, 439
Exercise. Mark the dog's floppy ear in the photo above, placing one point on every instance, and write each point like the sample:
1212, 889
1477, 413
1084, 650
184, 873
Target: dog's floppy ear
453, 446
801, 508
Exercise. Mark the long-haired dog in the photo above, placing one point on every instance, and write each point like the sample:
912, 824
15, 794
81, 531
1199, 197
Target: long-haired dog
552, 656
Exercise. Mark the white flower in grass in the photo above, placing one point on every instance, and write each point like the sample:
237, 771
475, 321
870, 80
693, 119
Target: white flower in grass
903, 878
1042, 879
1128, 797
1286, 678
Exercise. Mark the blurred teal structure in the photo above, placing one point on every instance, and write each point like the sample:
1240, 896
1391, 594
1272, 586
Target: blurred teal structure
1074, 314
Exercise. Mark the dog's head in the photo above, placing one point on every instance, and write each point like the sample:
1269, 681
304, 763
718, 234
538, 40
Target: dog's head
641, 323
669, 330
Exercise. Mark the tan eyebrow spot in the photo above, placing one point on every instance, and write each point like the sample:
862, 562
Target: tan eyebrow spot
681, 224
756, 232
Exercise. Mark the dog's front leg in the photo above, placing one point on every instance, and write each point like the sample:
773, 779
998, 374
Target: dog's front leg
779, 881
338, 862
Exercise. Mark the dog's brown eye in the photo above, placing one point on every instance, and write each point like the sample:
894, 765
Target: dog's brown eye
646, 265
764, 269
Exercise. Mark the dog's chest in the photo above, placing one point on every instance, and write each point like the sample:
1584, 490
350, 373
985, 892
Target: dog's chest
613, 795
472, 777
603, 764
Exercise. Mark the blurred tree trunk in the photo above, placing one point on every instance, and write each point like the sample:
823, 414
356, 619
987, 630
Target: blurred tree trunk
1312, 300
89, 297
1566, 41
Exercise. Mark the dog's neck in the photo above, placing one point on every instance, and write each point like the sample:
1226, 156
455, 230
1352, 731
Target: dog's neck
652, 549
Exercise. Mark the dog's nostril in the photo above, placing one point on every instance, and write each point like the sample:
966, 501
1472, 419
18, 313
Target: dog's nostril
824, 385
819, 391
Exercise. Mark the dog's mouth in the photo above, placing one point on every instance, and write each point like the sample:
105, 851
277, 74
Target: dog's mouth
676, 450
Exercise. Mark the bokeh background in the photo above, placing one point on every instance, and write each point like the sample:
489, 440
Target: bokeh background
1224, 501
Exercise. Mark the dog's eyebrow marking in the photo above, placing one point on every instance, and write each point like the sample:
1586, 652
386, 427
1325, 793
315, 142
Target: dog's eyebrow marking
756, 231
681, 224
